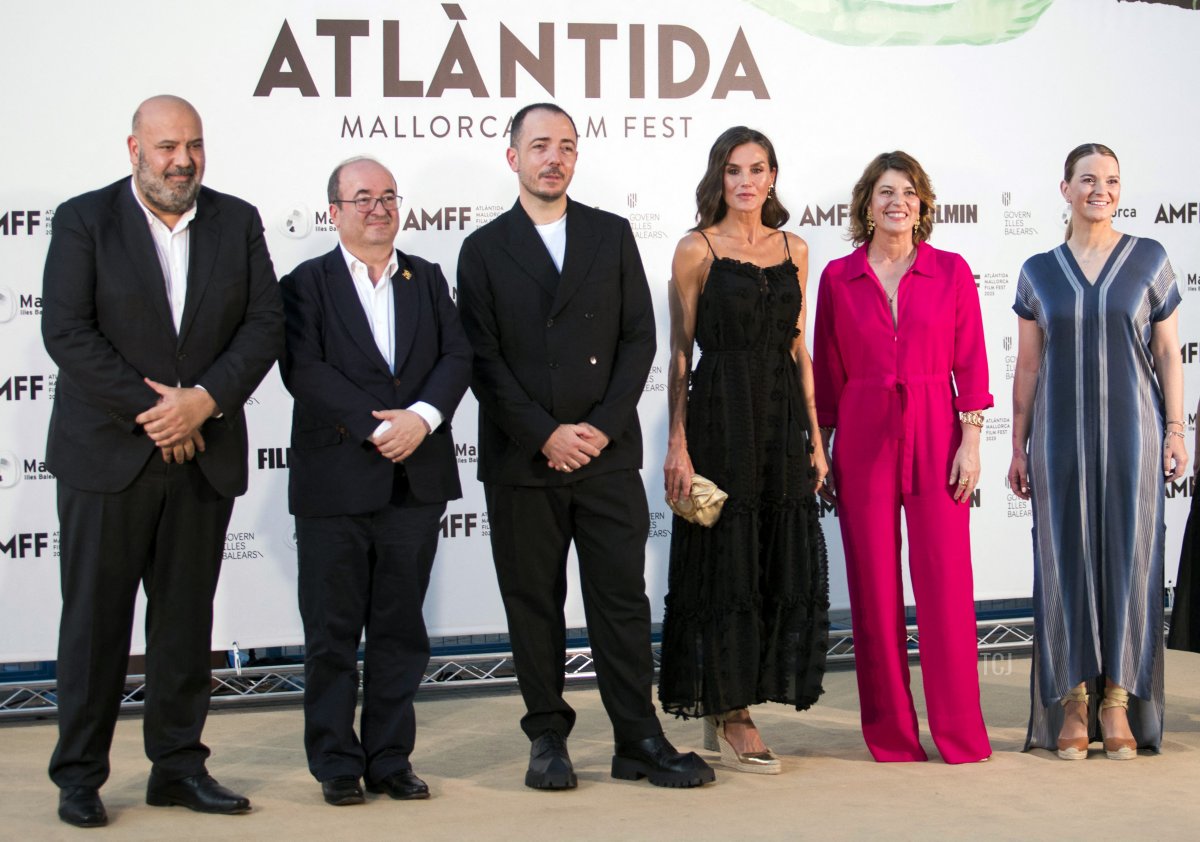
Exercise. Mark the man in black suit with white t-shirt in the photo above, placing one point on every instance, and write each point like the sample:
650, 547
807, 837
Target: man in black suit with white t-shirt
556, 305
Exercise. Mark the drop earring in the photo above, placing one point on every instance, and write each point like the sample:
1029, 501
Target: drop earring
870, 224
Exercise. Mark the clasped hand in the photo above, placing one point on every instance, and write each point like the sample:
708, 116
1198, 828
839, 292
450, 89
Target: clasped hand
571, 446
173, 423
407, 431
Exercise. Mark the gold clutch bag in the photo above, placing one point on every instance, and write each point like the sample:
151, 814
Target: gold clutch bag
703, 504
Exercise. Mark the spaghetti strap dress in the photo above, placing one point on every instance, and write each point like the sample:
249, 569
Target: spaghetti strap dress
747, 608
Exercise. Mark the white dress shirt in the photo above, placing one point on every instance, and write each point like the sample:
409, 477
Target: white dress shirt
173, 247
379, 307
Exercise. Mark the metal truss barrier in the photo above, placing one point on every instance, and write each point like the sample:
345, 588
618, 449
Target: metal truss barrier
285, 684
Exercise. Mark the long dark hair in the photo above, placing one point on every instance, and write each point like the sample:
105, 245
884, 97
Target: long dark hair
860, 197
710, 192
1073, 158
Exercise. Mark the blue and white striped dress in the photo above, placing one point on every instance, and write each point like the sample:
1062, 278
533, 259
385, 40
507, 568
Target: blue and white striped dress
1096, 481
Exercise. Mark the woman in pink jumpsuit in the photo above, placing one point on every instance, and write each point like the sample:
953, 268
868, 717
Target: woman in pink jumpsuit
901, 379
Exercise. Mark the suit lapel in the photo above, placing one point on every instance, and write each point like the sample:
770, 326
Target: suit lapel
349, 308
524, 245
203, 248
139, 245
582, 243
406, 306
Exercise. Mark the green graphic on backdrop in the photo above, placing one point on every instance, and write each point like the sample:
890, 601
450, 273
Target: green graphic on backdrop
909, 23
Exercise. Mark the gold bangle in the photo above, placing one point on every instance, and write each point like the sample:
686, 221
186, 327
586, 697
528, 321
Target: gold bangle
1169, 433
974, 418
1180, 423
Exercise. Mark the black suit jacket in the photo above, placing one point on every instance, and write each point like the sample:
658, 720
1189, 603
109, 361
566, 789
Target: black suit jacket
107, 323
334, 370
553, 350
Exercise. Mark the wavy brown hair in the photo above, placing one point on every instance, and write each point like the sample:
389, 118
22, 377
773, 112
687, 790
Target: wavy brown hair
860, 198
1074, 157
710, 192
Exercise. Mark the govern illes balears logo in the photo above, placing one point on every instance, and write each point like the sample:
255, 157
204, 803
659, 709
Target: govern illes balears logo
664, 61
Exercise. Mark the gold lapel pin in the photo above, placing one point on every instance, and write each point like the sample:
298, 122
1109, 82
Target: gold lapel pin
407, 275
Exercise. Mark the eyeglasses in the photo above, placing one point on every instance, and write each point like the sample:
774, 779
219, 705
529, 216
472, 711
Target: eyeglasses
366, 204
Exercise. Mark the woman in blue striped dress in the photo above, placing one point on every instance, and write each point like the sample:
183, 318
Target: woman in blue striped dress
1097, 427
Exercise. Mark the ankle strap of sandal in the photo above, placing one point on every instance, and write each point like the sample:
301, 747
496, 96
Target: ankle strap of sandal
1078, 693
1115, 697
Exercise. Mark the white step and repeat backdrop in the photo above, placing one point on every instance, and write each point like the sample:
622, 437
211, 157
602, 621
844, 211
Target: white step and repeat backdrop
988, 94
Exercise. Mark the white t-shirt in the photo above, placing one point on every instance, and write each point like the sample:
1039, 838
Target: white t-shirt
554, 235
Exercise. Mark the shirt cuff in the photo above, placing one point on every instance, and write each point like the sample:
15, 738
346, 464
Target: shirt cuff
219, 412
430, 413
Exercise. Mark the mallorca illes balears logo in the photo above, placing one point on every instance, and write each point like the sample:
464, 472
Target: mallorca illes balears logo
10, 469
295, 221
8, 305
559, 58
13, 469
14, 304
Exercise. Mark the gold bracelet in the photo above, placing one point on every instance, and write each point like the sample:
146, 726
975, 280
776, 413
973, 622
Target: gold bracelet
1170, 433
974, 418
1180, 423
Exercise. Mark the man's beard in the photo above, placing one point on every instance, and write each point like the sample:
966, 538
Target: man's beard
162, 195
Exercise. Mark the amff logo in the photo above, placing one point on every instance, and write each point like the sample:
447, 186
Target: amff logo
25, 544
459, 523
442, 219
1187, 212
16, 222
23, 387
1189, 351
10, 469
832, 215
1185, 487
1193, 282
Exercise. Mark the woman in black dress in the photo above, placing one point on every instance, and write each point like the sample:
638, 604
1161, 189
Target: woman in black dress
1185, 615
747, 604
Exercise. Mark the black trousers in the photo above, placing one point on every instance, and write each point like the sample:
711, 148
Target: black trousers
165, 532
532, 529
364, 573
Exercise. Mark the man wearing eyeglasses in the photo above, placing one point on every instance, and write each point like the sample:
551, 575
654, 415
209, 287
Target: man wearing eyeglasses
377, 362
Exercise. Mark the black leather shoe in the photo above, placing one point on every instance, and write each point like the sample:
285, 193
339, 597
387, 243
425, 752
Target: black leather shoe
402, 785
343, 791
199, 792
549, 764
81, 806
655, 758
